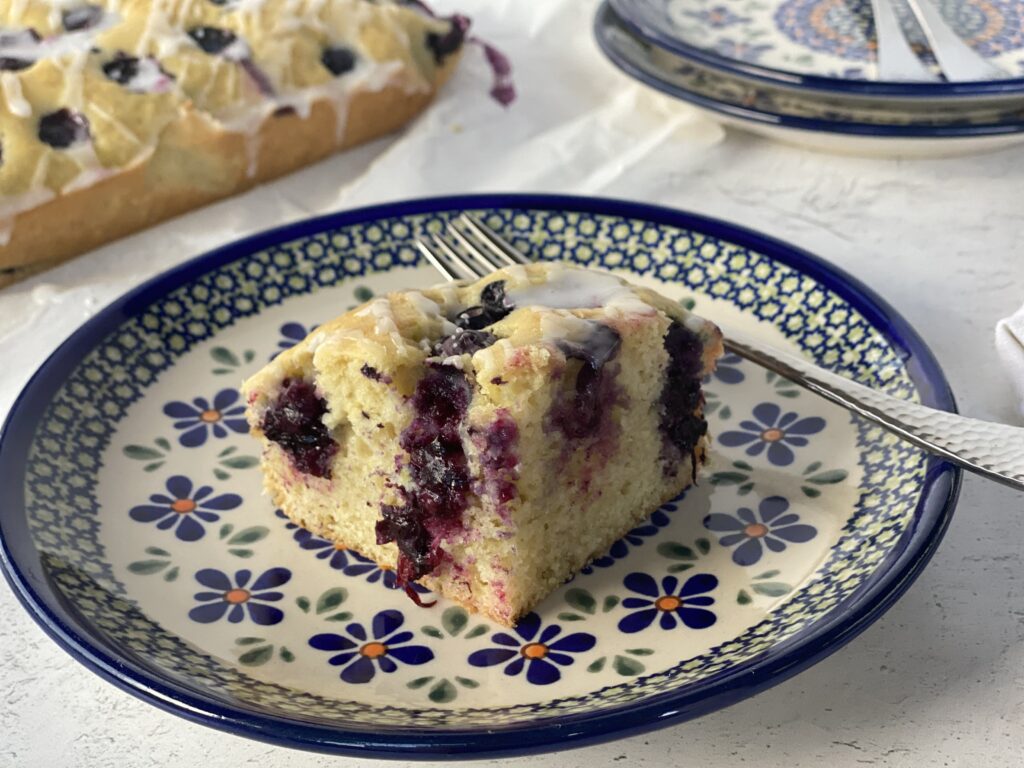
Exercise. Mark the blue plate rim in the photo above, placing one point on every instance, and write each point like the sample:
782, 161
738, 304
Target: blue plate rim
763, 117
1007, 87
898, 570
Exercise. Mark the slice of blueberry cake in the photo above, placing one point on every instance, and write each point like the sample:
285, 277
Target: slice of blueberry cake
488, 439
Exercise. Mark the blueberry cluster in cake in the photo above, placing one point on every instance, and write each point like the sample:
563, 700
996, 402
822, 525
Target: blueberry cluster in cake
163, 105
488, 439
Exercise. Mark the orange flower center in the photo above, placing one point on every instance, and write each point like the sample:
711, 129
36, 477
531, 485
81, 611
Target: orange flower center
183, 506
210, 416
668, 603
340, 547
373, 650
534, 650
756, 530
236, 596
772, 435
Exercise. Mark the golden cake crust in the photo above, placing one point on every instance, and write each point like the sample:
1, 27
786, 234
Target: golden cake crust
156, 155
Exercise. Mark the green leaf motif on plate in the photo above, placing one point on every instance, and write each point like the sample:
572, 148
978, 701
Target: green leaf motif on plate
581, 600
454, 620
771, 588
331, 599
250, 535
257, 656
685, 555
147, 567
442, 692
229, 362
626, 666
154, 456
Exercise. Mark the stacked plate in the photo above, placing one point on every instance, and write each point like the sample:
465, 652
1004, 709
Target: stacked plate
805, 71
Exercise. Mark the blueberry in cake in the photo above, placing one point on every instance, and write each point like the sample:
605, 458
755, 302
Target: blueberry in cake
116, 114
488, 439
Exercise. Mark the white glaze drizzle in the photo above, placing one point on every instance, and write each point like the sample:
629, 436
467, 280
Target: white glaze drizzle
561, 325
60, 45
91, 171
164, 35
16, 102
384, 320
117, 125
569, 288
149, 78
431, 310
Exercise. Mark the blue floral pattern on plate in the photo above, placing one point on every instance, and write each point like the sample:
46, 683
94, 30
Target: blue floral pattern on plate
775, 430
539, 651
184, 508
769, 527
673, 603
360, 654
244, 633
201, 418
239, 596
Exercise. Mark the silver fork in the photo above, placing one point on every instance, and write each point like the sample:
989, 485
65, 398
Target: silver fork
995, 451
958, 61
896, 61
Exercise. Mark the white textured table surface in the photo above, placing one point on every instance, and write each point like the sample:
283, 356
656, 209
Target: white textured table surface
938, 681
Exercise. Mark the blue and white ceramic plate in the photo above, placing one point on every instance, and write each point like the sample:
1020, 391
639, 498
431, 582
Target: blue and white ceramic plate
135, 532
808, 119
828, 45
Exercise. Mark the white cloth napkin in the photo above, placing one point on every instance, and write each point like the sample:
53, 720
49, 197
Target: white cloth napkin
1010, 347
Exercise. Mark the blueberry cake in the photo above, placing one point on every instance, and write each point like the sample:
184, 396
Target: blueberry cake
489, 439
116, 114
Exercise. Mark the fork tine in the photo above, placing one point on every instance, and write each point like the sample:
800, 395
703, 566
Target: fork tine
436, 261
495, 242
485, 259
491, 254
468, 269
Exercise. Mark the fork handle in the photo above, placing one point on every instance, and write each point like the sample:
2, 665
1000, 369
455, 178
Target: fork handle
896, 60
959, 62
993, 450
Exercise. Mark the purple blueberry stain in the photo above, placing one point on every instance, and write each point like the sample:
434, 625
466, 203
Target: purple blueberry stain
443, 45
223, 42
137, 75
212, 40
338, 59
21, 39
493, 306
374, 375
438, 494
681, 427
295, 422
463, 342
578, 414
82, 17
63, 128
498, 457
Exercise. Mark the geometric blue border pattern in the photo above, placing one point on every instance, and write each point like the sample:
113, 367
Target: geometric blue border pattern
54, 438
